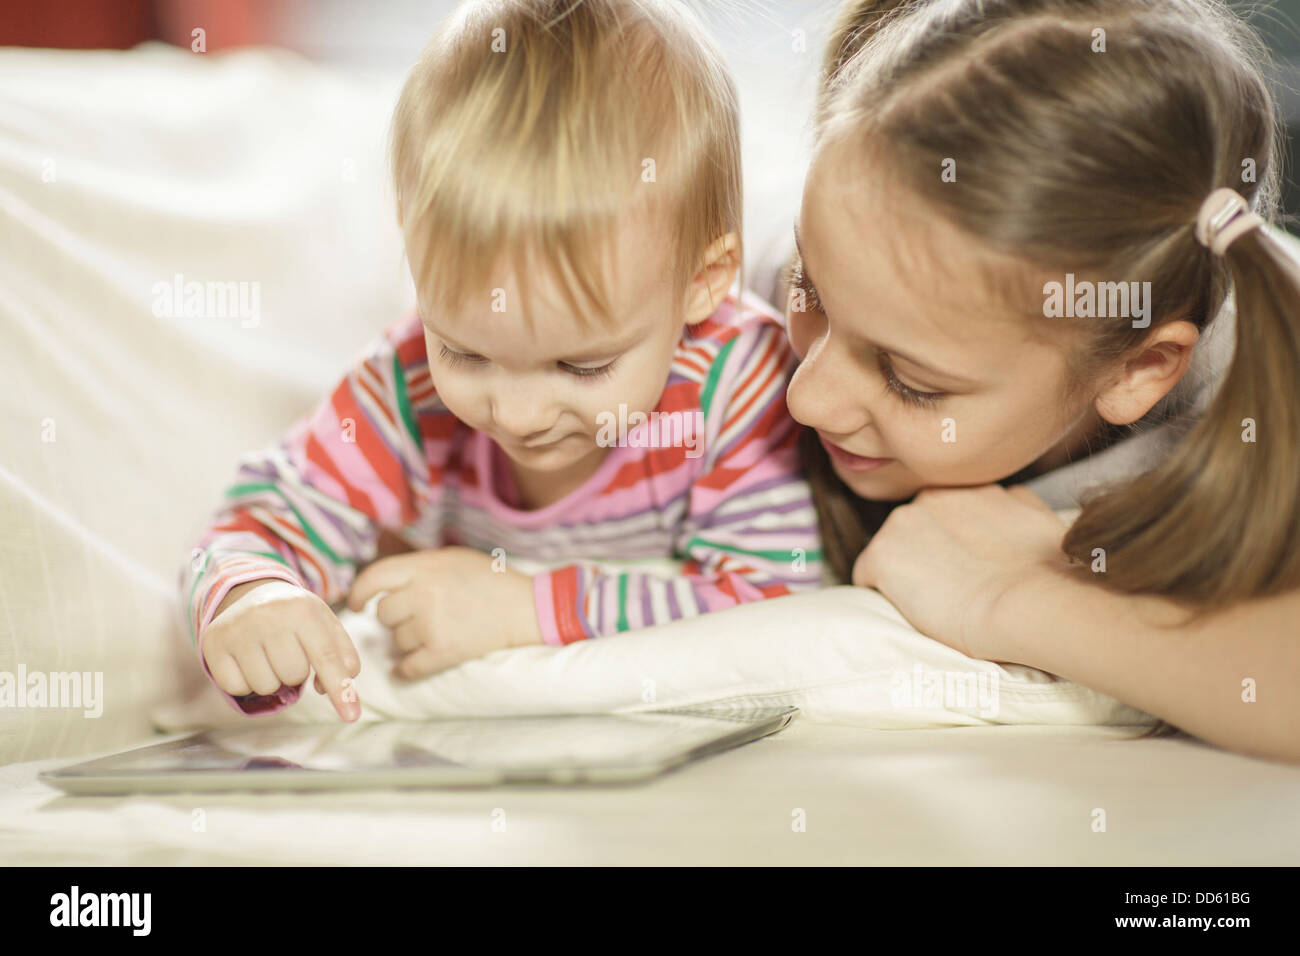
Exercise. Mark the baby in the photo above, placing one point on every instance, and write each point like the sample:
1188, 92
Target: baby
583, 380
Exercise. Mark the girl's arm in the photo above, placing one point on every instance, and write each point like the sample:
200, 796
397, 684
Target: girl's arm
1232, 679
981, 570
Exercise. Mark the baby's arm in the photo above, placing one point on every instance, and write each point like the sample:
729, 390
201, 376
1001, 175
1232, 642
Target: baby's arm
750, 531
308, 510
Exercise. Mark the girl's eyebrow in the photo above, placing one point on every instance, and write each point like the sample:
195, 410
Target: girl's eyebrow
894, 353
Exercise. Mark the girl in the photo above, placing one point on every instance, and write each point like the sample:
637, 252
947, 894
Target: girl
977, 162
583, 380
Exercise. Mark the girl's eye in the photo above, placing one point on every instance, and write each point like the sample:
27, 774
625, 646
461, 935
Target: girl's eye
459, 358
589, 372
797, 281
907, 394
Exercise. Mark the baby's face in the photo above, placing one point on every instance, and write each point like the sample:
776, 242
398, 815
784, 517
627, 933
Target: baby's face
539, 392
908, 383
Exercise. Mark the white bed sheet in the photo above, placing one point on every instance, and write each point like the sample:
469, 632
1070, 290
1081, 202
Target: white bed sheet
970, 795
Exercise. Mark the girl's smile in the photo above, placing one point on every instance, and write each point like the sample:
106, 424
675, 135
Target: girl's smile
847, 459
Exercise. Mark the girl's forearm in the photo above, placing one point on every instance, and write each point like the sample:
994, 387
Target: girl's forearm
1228, 679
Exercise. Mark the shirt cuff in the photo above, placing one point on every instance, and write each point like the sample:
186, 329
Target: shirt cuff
560, 598
254, 705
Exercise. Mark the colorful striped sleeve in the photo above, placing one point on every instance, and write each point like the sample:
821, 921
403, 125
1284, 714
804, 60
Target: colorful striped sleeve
750, 531
309, 509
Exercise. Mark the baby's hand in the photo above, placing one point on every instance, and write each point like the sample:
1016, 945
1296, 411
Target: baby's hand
268, 633
447, 605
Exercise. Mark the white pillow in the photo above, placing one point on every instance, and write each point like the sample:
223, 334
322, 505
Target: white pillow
842, 654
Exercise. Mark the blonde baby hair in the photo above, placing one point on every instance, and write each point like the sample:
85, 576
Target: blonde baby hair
528, 129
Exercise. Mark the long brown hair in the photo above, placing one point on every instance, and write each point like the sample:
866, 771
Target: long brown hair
1088, 133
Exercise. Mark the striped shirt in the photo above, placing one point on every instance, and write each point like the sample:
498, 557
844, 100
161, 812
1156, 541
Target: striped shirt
382, 453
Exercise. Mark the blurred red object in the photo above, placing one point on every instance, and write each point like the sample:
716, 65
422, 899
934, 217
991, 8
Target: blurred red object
121, 24
225, 23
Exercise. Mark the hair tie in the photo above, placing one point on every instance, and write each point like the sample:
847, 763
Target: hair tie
1224, 217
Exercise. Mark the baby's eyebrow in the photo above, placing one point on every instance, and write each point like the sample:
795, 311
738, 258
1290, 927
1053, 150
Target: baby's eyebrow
584, 355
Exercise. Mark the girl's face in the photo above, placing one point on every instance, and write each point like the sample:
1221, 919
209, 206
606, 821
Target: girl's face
910, 378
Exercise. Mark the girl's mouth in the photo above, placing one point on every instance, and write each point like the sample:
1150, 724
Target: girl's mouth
851, 461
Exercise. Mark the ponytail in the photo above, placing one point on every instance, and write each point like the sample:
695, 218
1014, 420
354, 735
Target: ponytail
1219, 520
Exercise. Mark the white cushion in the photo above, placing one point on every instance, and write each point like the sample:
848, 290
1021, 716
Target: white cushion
842, 654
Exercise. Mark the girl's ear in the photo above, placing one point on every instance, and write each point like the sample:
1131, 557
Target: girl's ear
716, 274
1149, 373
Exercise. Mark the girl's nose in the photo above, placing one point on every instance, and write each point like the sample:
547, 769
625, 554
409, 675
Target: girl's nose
827, 392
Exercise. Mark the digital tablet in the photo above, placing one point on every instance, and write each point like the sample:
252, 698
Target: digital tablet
476, 751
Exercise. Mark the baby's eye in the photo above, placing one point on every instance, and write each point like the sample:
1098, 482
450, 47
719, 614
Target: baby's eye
454, 358
588, 371
906, 393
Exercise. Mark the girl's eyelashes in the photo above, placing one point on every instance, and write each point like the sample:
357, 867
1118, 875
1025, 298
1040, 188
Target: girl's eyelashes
796, 278
455, 359
907, 394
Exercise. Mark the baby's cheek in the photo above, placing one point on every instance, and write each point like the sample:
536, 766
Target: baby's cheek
596, 404
461, 400
644, 382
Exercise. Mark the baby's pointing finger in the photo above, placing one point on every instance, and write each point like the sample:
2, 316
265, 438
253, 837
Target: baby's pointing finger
336, 663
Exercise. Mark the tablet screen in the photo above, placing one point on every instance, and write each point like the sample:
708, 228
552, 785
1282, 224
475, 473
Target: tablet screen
497, 743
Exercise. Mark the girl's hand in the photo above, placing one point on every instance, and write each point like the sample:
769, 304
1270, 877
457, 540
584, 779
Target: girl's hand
270, 633
947, 558
448, 605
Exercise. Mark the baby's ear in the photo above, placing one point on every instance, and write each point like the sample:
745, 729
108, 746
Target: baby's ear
718, 269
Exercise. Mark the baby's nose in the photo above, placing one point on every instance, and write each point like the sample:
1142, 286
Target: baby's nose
523, 418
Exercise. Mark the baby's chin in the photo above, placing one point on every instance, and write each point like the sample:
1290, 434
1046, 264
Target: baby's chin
555, 457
